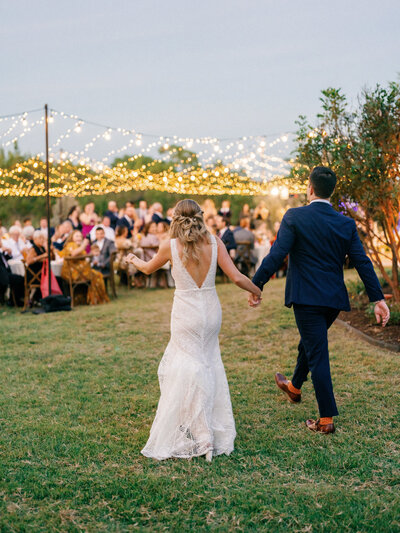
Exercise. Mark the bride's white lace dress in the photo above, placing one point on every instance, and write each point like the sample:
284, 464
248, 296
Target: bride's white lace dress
194, 413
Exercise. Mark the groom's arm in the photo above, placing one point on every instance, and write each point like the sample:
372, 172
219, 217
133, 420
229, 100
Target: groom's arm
280, 249
363, 265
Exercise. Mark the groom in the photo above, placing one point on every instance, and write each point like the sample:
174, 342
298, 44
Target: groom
318, 239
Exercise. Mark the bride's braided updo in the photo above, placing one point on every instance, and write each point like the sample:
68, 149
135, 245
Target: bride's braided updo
188, 226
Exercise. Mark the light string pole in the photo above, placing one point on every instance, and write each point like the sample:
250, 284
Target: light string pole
48, 197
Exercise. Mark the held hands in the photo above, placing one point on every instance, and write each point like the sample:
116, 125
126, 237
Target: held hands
382, 313
254, 300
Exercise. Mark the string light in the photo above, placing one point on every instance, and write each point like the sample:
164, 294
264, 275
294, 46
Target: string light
216, 166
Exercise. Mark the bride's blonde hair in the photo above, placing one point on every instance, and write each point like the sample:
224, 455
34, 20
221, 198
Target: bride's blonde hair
188, 226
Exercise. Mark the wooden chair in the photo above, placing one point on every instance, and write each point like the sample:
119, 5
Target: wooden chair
243, 256
74, 284
110, 277
30, 285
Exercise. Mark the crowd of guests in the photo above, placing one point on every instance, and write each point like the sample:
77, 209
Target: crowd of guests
93, 241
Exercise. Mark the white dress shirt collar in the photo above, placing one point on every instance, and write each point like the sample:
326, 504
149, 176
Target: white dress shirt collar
322, 200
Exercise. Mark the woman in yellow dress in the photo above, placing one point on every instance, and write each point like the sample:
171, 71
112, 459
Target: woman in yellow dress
80, 270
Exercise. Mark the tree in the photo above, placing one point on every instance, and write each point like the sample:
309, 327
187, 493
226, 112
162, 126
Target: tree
363, 148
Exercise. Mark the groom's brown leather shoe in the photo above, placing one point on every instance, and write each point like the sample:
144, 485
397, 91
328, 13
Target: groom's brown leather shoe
283, 383
314, 425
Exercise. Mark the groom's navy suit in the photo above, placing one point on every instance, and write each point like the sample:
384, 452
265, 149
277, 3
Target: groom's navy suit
317, 239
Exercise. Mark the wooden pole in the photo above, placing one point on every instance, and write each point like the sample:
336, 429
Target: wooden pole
48, 196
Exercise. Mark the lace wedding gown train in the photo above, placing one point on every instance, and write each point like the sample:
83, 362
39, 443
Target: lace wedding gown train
194, 413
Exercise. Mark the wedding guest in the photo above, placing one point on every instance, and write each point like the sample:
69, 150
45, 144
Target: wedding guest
61, 234
88, 218
157, 212
142, 210
15, 244
95, 253
262, 244
208, 208
245, 211
27, 222
18, 223
27, 234
80, 270
225, 210
112, 213
211, 224
243, 232
261, 212
170, 214
125, 246
245, 256
225, 234
162, 231
43, 227
149, 242
106, 225
10, 280
35, 257
73, 217
128, 219
106, 247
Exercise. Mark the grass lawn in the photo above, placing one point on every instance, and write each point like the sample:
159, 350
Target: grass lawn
79, 391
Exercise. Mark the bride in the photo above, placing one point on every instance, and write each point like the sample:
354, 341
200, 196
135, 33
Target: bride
194, 415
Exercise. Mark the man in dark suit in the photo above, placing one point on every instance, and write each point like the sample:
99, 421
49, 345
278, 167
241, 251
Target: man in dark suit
101, 262
225, 234
318, 239
128, 220
112, 213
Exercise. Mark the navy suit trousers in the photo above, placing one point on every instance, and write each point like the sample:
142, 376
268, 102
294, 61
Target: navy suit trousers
313, 323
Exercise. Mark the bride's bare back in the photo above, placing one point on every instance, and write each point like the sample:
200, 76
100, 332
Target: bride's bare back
198, 270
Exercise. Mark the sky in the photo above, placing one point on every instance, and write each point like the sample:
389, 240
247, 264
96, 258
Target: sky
223, 68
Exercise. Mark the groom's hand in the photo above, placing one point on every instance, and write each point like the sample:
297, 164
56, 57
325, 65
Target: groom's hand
254, 301
382, 313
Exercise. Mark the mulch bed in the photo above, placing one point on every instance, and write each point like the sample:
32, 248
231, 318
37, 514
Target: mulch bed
358, 320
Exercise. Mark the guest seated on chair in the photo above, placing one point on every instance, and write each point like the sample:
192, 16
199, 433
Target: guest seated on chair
108, 231
157, 215
35, 257
225, 234
16, 245
150, 241
245, 258
73, 217
80, 269
124, 247
128, 219
61, 234
101, 262
112, 213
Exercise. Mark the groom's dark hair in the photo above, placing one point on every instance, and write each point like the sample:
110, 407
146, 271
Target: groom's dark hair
323, 180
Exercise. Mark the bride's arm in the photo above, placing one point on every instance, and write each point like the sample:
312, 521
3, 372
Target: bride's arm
148, 267
239, 279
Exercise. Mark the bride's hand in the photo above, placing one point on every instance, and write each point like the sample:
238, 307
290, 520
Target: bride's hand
254, 300
131, 258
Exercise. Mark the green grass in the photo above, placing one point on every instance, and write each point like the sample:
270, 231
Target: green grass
79, 391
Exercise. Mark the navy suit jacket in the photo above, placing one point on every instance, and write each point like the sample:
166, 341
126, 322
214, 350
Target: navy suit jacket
113, 218
229, 240
318, 239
